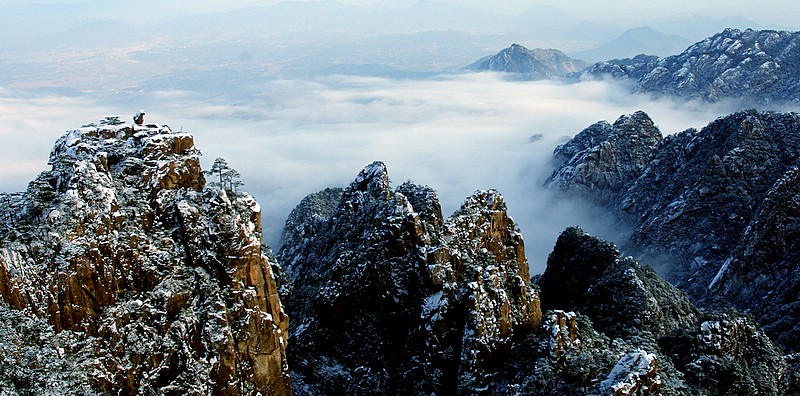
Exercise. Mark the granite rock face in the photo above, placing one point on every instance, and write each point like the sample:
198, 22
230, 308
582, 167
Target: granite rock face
588, 275
715, 210
392, 299
671, 346
156, 284
600, 161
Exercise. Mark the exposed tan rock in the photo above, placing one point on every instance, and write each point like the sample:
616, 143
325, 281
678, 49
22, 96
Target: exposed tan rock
563, 329
168, 283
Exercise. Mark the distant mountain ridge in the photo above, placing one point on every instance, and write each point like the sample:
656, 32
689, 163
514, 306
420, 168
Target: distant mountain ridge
532, 64
641, 40
760, 64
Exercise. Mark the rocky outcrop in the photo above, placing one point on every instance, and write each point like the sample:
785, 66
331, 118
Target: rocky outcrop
392, 299
635, 373
624, 69
309, 216
670, 346
159, 285
588, 275
727, 353
761, 65
600, 162
529, 64
714, 209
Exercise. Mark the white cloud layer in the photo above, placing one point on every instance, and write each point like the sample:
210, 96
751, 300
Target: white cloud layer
456, 134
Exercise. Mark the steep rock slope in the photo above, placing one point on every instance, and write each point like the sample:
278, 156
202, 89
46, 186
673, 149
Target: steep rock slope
757, 64
531, 64
603, 159
663, 343
715, 209
631, 69
762, 273
588, 275
392, 299
133, 277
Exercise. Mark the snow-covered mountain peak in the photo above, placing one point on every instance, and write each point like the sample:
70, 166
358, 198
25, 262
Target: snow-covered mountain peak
156, 283
533, 64
761, 65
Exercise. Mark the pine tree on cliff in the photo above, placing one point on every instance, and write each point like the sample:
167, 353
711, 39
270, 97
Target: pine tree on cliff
228, 177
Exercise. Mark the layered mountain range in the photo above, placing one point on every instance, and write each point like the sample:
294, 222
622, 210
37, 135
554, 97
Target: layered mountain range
122, 271
394, 299
641, 40
754, 65
716, 210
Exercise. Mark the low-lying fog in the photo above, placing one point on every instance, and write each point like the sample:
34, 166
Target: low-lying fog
457, 134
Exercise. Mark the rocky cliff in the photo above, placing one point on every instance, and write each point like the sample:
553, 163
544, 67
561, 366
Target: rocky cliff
392, 298
122, 272
716, 210
751, 64
529, 64
119, 273
661, 342
600, 161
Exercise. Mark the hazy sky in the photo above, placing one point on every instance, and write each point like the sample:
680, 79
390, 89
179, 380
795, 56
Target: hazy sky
253, 96
778, 12
767, 11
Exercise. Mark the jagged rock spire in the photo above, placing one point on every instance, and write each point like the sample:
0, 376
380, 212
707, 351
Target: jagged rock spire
391, 294
156, 283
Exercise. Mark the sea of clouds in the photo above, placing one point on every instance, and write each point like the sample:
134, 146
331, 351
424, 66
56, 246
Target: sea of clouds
288, 138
